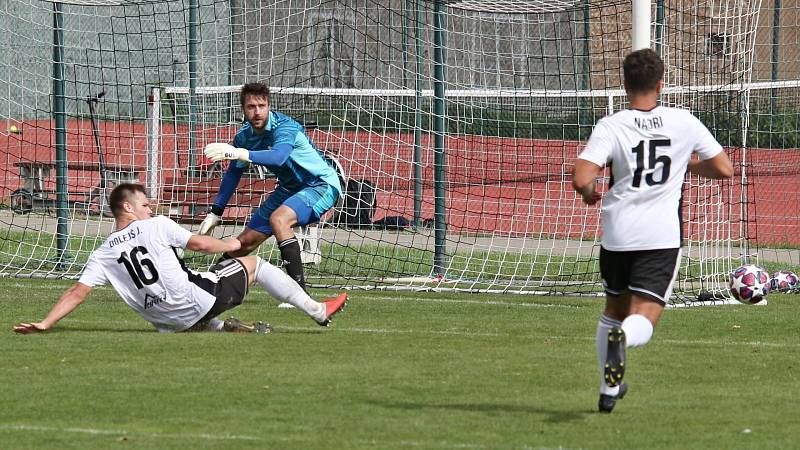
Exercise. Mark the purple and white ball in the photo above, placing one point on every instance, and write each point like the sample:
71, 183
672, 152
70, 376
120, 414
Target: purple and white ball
749, 284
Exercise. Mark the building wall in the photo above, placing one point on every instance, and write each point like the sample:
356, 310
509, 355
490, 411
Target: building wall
364, 44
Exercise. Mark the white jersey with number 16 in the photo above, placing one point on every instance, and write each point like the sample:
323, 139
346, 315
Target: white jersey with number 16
648, 152
142, 266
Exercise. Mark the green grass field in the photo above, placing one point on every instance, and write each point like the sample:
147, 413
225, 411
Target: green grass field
397, 370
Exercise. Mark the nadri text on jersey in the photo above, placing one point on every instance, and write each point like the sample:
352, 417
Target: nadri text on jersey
648, 123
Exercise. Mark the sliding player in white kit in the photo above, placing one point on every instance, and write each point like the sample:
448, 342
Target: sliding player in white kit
140, 262
648, 149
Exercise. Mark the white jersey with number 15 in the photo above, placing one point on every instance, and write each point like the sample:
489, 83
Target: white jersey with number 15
648, 152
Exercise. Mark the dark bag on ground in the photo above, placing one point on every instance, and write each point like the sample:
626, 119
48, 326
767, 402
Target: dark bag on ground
392, 223
359, 205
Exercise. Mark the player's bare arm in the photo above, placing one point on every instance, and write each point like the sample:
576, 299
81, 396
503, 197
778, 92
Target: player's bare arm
717, 167
68, 302
584, 175
210, 245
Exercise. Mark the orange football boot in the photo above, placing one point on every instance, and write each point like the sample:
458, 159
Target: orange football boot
333, 306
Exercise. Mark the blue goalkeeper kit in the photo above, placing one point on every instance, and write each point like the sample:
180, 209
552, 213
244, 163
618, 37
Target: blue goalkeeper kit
286, 151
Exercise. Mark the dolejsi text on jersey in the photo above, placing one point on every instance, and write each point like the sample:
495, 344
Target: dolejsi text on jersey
127, 236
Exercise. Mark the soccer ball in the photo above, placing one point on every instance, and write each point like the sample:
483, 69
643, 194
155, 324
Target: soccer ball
749, 284
783, 281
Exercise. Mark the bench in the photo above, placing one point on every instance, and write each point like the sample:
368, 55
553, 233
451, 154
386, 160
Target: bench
34, 193
188, 199
34, 173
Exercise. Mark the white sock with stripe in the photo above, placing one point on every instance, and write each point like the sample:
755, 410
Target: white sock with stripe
283, 288
215, 324
603, 325
638, 330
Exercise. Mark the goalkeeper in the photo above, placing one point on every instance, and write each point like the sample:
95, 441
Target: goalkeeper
307, 185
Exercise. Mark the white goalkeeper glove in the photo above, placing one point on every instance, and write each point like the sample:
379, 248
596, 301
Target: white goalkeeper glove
209, 223
221, 151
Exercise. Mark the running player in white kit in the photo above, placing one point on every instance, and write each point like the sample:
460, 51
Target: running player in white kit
140, 262
648, 149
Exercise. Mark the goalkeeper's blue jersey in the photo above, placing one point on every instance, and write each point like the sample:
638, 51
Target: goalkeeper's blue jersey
305, 165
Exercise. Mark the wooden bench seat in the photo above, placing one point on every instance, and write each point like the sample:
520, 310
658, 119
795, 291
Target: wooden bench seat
189, 199
24, 201
38, 182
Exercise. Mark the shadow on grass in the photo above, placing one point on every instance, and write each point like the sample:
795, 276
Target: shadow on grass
553, 416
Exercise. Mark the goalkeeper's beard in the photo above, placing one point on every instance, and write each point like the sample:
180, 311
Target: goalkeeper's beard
258, 124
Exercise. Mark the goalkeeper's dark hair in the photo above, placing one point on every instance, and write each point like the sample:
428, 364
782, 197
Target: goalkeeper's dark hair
257, 89
122, 193
643, 69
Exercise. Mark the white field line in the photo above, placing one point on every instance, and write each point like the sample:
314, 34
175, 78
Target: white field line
113, 432
471, 302
100, 431
344, 329
553, 337
403, 297
407, 443
467, 333
385, 331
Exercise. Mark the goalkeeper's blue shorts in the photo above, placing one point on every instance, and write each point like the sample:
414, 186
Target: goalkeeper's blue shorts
309, 204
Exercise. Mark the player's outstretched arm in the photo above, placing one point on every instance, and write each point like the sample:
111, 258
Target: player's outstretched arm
717, 167
584, 175
209, 245
70, 300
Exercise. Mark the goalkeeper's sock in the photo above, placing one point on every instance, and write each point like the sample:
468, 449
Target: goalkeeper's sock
283, 288
638, 330
603, 326
292, 260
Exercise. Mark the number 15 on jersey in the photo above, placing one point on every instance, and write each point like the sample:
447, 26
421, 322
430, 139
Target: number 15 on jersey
658, 166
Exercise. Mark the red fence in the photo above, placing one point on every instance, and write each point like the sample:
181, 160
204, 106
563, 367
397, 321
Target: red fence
504, 185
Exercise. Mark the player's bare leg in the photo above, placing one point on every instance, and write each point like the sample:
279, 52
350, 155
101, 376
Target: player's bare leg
250, 240
646, 307
282, 220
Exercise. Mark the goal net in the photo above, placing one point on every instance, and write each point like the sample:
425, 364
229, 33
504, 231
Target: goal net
454, 125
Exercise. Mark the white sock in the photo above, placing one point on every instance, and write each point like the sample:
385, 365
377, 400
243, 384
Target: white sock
603, 325
207, 325
638, 330
283, 288
214, 325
